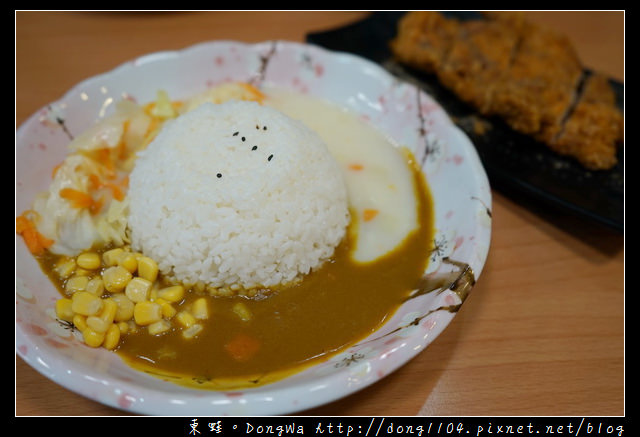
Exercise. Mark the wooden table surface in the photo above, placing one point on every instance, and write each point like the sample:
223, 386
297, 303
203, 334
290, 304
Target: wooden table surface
542, 332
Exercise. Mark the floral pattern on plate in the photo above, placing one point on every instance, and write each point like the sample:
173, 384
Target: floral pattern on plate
460, 188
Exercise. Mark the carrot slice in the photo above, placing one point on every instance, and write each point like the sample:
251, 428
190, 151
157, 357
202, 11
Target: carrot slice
31, 240
55, 170
22, 224
117, 192
77, 198
94, 181
105, 157
255, 92
242, 347
35, 241
369, 214
117, 188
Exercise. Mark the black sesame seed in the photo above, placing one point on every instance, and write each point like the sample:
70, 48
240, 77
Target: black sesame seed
243, 138
270, 157
219, 175
235, 134
264, 128
254, 148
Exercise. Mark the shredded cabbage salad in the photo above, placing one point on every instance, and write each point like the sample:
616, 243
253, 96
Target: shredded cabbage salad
86, 204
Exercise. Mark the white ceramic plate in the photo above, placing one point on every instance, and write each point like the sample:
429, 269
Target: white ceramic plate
454, 173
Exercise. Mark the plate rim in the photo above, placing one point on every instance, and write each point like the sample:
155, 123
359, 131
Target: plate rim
317, 400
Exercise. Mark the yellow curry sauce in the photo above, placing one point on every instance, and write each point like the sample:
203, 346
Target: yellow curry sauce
329, 310
341, 303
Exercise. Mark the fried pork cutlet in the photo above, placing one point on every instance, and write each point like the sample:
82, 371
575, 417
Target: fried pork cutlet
423, 39
523, 73
477, 61
594, 128
539, 86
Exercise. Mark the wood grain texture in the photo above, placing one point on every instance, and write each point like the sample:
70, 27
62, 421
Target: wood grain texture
542, 332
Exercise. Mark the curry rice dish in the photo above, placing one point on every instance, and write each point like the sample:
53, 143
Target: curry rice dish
224, 244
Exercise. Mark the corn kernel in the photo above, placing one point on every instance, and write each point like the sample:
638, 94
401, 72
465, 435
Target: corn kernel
81, 272
80, 322
95, 286
85, 303
97, 324
125, 306
111, 337
159, 327
147, 268
199, 309
138, 289
109, 310
241, 310
153, 293
92, 338
192, 331
132, 326
76, 283
145, 313
123, 327
111, 257
185, 319
63, 310
168, 311
174, 293
88, 260
128, 261
115, 278
65, 267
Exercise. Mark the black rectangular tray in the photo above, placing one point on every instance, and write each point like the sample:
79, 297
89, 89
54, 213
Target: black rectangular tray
517, 166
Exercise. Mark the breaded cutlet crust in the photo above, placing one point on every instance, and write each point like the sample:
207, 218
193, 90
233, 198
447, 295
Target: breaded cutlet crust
595, 126
527, 75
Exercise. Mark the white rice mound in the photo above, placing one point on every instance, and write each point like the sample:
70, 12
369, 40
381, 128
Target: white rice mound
213, 210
